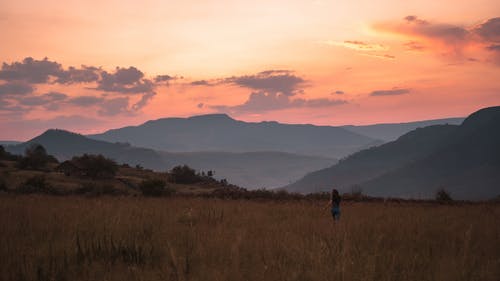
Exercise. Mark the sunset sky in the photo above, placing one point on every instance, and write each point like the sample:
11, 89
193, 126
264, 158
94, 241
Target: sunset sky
88, 66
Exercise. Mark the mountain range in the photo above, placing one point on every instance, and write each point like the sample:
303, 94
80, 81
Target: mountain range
219, 132
249, 169
392, 131
462, 159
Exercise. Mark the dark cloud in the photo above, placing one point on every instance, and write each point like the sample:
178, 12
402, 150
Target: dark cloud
114, 106
50, 101
164, 78
201, 83
489, 30
30, 70
338, 92
86, 100
415, 19
200, 105
86, 74
392, 92
15, 88
263, 101
270, 81
125, 80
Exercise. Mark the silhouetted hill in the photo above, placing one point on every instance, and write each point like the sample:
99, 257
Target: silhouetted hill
375, 161
390, 132
467, 164
219, 132
464, 160
64, 145
252, 170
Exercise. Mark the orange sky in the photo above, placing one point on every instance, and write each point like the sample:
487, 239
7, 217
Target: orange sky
321, 62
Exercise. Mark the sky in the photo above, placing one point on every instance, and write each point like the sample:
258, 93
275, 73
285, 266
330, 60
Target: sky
89, 66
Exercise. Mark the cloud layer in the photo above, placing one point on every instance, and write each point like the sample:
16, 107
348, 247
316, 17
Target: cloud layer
448, 39
122, 91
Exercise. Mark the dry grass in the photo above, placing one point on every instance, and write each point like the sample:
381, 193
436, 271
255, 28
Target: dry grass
136, 238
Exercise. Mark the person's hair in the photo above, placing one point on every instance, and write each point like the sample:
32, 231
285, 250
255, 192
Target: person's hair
335, 195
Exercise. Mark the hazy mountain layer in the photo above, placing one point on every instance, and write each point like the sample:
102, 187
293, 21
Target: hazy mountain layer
390, 132
252, 170
219, 132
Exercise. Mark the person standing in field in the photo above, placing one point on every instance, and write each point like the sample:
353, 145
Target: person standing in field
335, 204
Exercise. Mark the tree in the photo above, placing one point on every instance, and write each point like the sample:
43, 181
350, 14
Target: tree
443, 196
35, 157
95, 166
184, 174
155, 187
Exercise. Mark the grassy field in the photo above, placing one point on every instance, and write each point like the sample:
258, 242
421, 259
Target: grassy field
137, 238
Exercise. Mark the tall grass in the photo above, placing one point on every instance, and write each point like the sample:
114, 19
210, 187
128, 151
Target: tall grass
137, 238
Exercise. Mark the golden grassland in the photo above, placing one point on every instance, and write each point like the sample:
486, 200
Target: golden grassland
137, 238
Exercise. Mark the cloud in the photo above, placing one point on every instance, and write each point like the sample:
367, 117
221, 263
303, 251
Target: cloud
489, 30
86, 74
392, 92
125, 80
200, 105
338, 92
115, 106
20, 78
201, 83
15, 88
30, 70
85, 101
45, 99
164, 79
270, 81
264, 101
445, 38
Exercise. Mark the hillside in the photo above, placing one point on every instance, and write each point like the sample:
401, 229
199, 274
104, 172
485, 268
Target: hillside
391, 131
467, 164
375, 161
251, 170
219, 132
465, 160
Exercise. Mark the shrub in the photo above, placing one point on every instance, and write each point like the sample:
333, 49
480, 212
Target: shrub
443, 196
35, 157
184, 174
36, 184
95, 166
155, 187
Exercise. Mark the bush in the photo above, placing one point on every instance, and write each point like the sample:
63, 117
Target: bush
155, 187
443, 196
36, 184
36, 158
184, 174
95, 166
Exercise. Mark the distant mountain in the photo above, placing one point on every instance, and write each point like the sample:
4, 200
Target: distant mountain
5, 143
390, 132
219, 132
464, 160
64, 145
251, 170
